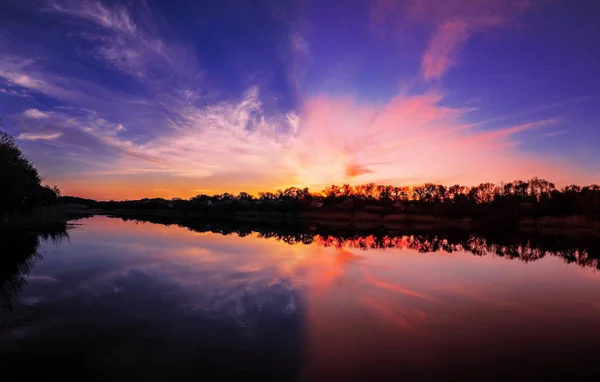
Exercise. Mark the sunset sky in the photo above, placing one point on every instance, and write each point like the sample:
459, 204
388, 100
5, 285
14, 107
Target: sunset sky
132, 99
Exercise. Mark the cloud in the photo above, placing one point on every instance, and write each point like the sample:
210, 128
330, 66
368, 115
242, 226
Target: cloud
21, 71
101, 130
502, 134
353, 170
9, 91
39, 136
455, 22
167, 129
130, 45
443, 48
26, 76
219, 138
14, 70
411, 137
554, 134
35, 114
235, 146
125, 146
452, 23
78, 97
134, 46
114, 18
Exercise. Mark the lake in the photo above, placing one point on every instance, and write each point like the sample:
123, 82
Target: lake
125, 300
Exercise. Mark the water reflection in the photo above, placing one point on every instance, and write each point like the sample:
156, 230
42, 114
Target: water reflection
583, 251
20, 252
125, 300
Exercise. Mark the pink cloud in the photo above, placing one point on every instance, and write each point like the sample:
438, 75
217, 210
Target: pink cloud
411, 137
455, 22
35, 114
503, 134
39, 136
443, 48
452, 23
409, 140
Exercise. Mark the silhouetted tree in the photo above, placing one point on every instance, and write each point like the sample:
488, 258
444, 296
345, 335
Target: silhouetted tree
20, 188
244, 196
19, 179
535, 197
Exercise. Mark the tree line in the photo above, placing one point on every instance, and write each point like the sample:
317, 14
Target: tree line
532, 197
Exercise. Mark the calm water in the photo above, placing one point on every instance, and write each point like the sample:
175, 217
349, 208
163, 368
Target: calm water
140, 301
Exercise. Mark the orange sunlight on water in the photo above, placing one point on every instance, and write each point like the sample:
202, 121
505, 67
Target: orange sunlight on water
380, 307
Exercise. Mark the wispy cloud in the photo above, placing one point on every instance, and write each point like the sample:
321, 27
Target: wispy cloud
115, 18
9, 91
411, 137
553, 134
452, 23
224, 137
39, 136
443, 48
131, 45
27, 76
162, 127
455, 22
501, 134
336, 140
19, 71
35, 114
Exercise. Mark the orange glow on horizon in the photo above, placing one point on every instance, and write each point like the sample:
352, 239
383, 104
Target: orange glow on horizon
135, 190
411, 140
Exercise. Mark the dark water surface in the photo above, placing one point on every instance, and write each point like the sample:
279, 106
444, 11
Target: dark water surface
122, 300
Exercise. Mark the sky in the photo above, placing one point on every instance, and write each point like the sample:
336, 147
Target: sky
133, 99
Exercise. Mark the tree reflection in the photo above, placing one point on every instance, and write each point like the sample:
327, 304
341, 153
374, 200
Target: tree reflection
526, 250
584, 252
20, 252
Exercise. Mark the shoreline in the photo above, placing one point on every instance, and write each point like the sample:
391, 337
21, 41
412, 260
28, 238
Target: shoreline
40, 218
569, 225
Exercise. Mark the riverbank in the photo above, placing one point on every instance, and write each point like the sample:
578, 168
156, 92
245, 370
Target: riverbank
39, 218
571, 225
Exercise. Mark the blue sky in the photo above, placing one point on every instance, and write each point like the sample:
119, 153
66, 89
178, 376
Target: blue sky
130, 99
